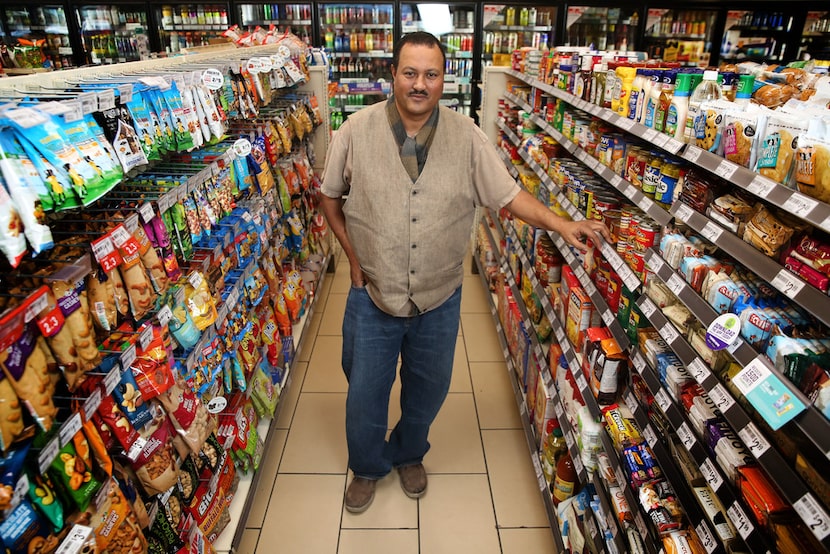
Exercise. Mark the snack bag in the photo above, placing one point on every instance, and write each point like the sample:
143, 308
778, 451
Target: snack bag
117, 530
812, 166
11, 416
199, 301
155, 466
140, 291
189, 416
130, 401
740, 136
12, 239
23, 531
156, 270
84, 135
144, 126
42, 495
72, 468
61, 195
776, 156
191, 118
173, 99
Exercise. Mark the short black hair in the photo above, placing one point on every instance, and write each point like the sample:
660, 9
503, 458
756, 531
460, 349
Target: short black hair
421, 38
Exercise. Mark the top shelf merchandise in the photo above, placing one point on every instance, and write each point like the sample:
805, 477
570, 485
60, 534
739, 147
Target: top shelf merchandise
36, 37
161, 320
683, 36
555, 124
296, 18
188, 25
113, 34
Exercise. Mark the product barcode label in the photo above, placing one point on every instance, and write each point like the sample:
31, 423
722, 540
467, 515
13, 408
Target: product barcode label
706, 539
692, 153
753, 440
631, 402
648, 307
711, 474
650, 135
683, 213
726, 169
721, 397
787, 283
711, 231
663, 400
145, 337
128, 357
656, 264
698, 369
740, 520
639, 362
813, 516
751, 376
92, 403
648, 434
69, 428
676, 283
112, 379
686, 436
799, 204
48, 453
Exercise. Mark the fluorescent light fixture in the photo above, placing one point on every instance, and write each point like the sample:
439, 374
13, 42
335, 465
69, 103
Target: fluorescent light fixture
436, 18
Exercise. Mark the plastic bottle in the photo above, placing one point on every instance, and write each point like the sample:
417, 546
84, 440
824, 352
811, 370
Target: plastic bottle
552, 450
679, 106
564, 484
708, 89
610, 85
635, 100
664, 100
626, 76
745, 85
597, 84
653, 98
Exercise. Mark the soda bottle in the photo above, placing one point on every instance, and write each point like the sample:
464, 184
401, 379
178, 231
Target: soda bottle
564, 484
552, 450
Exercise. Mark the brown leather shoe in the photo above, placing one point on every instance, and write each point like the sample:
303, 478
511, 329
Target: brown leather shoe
359, 495
413, 480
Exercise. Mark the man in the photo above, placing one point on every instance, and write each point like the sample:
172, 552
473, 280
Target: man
414, 173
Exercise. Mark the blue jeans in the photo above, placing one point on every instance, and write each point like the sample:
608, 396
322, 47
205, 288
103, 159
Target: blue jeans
372, 342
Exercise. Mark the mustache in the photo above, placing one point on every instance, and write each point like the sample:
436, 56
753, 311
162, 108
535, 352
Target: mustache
418, 93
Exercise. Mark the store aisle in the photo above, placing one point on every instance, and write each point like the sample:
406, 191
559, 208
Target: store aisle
483, 495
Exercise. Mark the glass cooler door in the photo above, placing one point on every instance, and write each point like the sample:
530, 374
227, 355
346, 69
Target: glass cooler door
36, 37
114, 33
683, 36
295, 18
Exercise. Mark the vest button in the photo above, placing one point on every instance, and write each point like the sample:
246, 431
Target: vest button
414, 220
413, 246
412, 272
414, 192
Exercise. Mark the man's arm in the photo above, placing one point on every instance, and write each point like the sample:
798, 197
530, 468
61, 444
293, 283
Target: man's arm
527, 208
333, 211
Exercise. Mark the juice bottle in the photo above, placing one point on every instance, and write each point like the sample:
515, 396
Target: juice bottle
679, 106
564, 484
552, 450
664, 100
708, 89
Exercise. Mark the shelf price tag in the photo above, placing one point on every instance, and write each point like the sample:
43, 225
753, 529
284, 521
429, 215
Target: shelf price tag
692, 153
629, 190
631, 402
764, 389
69, 428
581, 382
711, 231
676, 283
686, 436
761, 186
639, 363
625, 123
590, 288
683, 213
648, 307
112, 379
559, 410
644, 203
580, 469
673, 145
726, 169
608, 318
48, 453
661, 140
711, 474
540, 476
706, 538
663, 400
799, 204
569, 440
630, 279
648, 434
655, 263
697, 368
813, 515
721, 397
787, 283
128, 357
739, 519
753, 440
617, 181
650, 135
92, 403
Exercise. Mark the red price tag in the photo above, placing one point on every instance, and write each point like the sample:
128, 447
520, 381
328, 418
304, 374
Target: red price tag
106, 254
51, 323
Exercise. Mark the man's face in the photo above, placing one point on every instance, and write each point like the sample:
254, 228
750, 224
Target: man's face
418, 80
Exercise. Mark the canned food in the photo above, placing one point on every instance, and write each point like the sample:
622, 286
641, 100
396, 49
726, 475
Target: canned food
669, 177
636, 160
651, 176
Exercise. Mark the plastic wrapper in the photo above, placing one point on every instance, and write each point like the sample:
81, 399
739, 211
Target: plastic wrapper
766, 232
72, 468
11, 414
199, 301
117, 530
23, 531
130, 401
12, 240
188, 415
812, 166
155, 466
776, 156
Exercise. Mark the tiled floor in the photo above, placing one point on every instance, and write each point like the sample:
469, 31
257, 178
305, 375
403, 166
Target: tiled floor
483, 495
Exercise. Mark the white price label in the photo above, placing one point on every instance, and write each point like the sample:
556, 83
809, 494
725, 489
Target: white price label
92, 403
539, 354
616, 181
639, 363
580, 381
692, 153
608, 317
813, 515
540, 475
112, 379
683, 213
706, 538
787, 283
75, 111
593, 163
631, 281
629, 191
753, 440
213, 79
580, 469
726, 169
655, 263
711, 231
644, 203
40, 303
559, 410
631, 402
650, 135
626, 124
721, 397
673, 145
661, 140
826, 224
147, 212
698, 369
560, 335
165, 314
590, 288
686, 436
48, 453
740, 520
125, 92
145, 337
128, 357
648, 434
669, 333
799, 204
711, 474
106, 99
676, 283
70, 427
752, 375
195, 279
663, 400
569, 440
761, 186
648, 308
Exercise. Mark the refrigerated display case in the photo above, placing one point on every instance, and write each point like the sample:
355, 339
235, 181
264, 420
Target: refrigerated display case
454, 25
36, 37
602, 27
683, 36
507, 27
815, 39
359, 39
183, 26
295, 18
113, 33
759, 36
